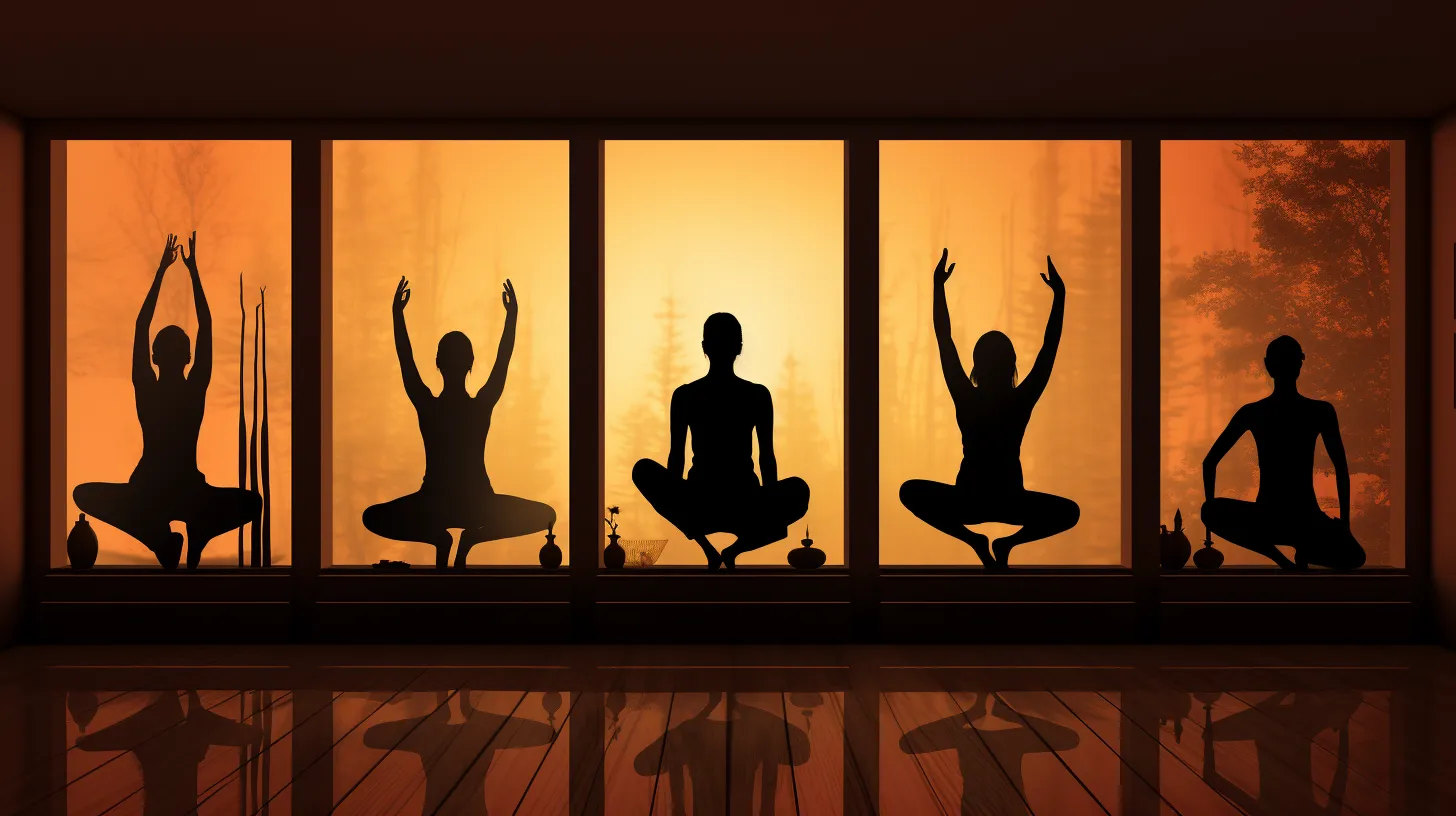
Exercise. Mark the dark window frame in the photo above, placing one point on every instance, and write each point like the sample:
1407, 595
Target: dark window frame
861, 600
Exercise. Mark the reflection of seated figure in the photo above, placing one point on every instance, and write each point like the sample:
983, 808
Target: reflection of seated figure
166, 485
1285, 426
456, 491
993, 412
459, 754
721, 493
169, 746
1283, 734
694, 751
979, 749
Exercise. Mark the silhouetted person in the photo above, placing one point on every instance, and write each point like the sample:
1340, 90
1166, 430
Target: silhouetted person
1285, 425
721, 493
1283, 733
166, 485
169, 746
980, 749
992, 411
760, 743
456, 491
457, 756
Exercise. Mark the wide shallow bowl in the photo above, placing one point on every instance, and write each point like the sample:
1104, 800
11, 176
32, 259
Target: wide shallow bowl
643, 552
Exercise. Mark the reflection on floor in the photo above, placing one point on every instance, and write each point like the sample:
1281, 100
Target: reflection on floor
595, 730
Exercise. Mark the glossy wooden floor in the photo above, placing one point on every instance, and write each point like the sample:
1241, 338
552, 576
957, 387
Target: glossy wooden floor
167, 731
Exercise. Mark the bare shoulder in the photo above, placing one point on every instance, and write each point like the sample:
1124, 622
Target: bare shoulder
1322, 408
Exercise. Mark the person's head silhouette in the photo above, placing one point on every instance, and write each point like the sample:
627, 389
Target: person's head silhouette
722, 338
993, 362
455, 356
171, 350
1283, 359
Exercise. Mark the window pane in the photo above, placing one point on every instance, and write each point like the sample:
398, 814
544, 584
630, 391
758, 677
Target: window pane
122, 201
1263, 239
1001, 208
755, 229
457, 220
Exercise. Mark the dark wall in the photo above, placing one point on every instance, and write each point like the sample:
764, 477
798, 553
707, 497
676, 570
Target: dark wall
1443, 379
12, 371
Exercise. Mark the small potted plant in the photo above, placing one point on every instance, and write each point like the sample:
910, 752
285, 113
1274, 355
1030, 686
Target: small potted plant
613, 557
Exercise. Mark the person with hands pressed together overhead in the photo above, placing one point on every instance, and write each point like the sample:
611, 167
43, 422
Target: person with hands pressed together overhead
166, 485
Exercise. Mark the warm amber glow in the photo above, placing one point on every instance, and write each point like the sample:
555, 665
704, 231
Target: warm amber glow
122, 199
1211, 368
1001, 208
457, 219
751, 228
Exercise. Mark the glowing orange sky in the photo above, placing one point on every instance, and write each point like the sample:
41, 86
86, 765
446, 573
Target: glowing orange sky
121, 201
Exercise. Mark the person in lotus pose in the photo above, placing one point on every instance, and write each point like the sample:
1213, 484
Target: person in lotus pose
166, 485
992, 410
456, 491
721, 493
1285, 426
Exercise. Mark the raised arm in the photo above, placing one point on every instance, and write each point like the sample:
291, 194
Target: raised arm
678, 425
950, 359
1041, 371
1335, 447
1237, 427
201, 373
141, 354
763, 421
495, 384
413, 385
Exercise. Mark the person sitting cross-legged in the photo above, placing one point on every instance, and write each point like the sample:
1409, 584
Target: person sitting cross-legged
1285, 426
721, 493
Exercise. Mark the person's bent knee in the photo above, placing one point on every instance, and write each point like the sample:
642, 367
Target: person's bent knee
1351, 555
910, 495
1072, 513
1211, 514
374, 519
547, 517
647, 471
796, 495
84, 496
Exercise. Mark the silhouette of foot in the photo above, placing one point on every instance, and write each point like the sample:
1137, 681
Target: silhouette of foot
468, 538
442, 550
981, 545
1002, 550
171, 552
711, 553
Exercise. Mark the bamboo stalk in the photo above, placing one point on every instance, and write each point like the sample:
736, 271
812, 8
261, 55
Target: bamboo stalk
257, 553
263, 456
242, 406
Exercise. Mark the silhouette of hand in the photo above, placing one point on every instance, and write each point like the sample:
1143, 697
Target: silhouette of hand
1052, 279
508, 298
169, 255
401, 296
942, 272
189, 255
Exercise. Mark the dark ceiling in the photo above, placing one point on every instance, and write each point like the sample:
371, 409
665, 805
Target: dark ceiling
792, 58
